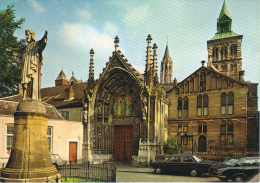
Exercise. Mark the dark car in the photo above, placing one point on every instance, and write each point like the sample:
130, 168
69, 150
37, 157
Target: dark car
225, 163
185, 163
243, 170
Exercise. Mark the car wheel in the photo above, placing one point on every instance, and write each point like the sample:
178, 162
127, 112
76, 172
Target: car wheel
158, 170
193, 172
238, 179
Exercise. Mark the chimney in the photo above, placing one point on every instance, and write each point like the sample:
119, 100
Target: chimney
241, 75
69, 93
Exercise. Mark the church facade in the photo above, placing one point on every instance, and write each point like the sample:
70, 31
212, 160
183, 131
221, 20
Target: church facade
124, 108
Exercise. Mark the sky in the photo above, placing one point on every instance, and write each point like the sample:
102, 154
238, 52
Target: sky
76, 26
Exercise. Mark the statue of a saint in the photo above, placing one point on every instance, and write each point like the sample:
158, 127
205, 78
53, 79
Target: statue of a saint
32, 65
115, 109
86, 115
122, 101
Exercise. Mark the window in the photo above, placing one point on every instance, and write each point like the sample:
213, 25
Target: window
230, 103
186, 105
185, 140
180, 107
202, 127
185, 127
199, 106
205, 105
9, 138
202, 103
180, 128
203, 82
226, 132
223, 103
215, 52
65, 114
49, 134
187, 159
223, 52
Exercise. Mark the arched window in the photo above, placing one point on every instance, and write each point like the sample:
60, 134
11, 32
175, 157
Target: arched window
230, 103
199, 106
235, 49
231, 67
223, 103
179, 128
205, 105
177, 91
231, 49
185, 107
180, 107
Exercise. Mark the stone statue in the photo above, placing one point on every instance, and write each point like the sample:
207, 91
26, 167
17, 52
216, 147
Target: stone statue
99, 108
86, 115
32, 65
131, 107
115, 108
144, 108
106, 110
122, 101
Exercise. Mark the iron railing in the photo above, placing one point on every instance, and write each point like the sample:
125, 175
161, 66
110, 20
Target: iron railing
91, 172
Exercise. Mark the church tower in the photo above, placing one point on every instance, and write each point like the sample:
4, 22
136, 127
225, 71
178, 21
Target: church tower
166, 68
224, 49
61, 79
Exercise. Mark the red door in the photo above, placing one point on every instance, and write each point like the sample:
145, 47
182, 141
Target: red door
123, 143
73, 151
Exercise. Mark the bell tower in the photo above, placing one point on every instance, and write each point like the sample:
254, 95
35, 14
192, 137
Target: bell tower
224, 49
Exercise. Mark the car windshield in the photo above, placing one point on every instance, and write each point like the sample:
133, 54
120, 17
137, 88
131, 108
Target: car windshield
230, 162
197, 158
240, 161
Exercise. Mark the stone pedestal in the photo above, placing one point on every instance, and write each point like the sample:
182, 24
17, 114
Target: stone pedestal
30, 158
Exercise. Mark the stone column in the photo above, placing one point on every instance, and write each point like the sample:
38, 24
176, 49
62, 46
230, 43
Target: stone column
30, 159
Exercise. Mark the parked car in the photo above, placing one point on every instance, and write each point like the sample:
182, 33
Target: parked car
225, 163
56, 160
243, 170
186, 163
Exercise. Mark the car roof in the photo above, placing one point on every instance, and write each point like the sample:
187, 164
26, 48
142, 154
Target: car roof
185, 154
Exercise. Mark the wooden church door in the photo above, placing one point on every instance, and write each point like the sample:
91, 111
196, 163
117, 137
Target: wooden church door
123, 143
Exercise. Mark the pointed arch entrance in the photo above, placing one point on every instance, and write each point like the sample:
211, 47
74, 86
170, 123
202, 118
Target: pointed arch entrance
202, 144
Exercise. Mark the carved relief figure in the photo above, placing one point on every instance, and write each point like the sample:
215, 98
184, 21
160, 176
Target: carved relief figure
32, 65
144, 108
122, 101
131, 107
106, 110
99, 108
115, 108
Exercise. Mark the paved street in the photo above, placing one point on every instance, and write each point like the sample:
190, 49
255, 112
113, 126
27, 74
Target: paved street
129, 173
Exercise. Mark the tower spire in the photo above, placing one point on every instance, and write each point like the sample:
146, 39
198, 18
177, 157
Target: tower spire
224, 20
148, 70
155, 75
91, 66
166, 66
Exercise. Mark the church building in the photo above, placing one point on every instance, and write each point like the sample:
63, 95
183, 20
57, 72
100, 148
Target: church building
214, 108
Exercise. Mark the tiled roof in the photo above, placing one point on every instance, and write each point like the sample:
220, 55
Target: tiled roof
57, 96
9, 104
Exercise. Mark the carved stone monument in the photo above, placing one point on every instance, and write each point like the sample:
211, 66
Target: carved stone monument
30, 159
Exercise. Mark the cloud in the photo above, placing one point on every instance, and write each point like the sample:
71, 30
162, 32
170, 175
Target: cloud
37, 6
83, 15
136, 16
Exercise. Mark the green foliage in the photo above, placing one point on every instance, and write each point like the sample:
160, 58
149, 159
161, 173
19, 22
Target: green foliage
160, 91
170, 146
10, 52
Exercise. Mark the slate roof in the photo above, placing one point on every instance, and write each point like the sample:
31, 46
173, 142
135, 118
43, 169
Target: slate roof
56, 95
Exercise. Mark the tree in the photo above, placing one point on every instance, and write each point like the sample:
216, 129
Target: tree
170, 146
11, 50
